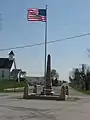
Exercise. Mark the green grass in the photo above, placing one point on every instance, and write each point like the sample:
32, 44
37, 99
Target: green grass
4, 84
86, 92
83, 91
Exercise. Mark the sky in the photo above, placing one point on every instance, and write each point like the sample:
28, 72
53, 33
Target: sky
65, 19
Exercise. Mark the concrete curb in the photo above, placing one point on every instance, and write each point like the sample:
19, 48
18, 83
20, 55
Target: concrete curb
43, 97
17, 89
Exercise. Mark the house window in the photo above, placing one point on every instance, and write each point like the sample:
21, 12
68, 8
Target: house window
3, 74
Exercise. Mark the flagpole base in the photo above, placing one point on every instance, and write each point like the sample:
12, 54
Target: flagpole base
47, 91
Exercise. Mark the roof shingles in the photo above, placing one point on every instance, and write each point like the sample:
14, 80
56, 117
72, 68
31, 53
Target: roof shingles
5, 63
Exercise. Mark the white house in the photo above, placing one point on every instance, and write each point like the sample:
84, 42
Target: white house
8, 68
5, 66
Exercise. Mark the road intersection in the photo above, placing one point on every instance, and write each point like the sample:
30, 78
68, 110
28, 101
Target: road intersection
14, 108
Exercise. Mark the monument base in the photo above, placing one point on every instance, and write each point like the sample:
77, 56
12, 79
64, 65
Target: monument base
47, 92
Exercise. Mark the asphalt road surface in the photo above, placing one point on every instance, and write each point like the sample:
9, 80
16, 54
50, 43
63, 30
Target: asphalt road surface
14, 108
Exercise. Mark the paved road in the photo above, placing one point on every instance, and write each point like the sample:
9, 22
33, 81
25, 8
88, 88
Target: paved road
12, 108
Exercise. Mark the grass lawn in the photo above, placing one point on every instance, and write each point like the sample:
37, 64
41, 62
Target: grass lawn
4, 84
83, 91
87, 92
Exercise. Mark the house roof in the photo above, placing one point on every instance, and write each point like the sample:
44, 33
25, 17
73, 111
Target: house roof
15, 71
5, 63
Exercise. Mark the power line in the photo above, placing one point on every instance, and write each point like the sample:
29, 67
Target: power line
38, 44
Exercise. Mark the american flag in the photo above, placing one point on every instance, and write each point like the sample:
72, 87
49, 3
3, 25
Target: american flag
35, 14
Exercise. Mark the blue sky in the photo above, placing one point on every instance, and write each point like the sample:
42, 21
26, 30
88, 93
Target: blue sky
65, 18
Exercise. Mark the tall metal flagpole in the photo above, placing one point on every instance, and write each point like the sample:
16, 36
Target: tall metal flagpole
45, 51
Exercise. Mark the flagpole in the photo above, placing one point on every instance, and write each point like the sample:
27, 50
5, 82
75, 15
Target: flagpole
45, 51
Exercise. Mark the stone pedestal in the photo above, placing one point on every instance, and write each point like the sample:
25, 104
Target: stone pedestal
35, 88
63, 93
25, 95
67, 90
